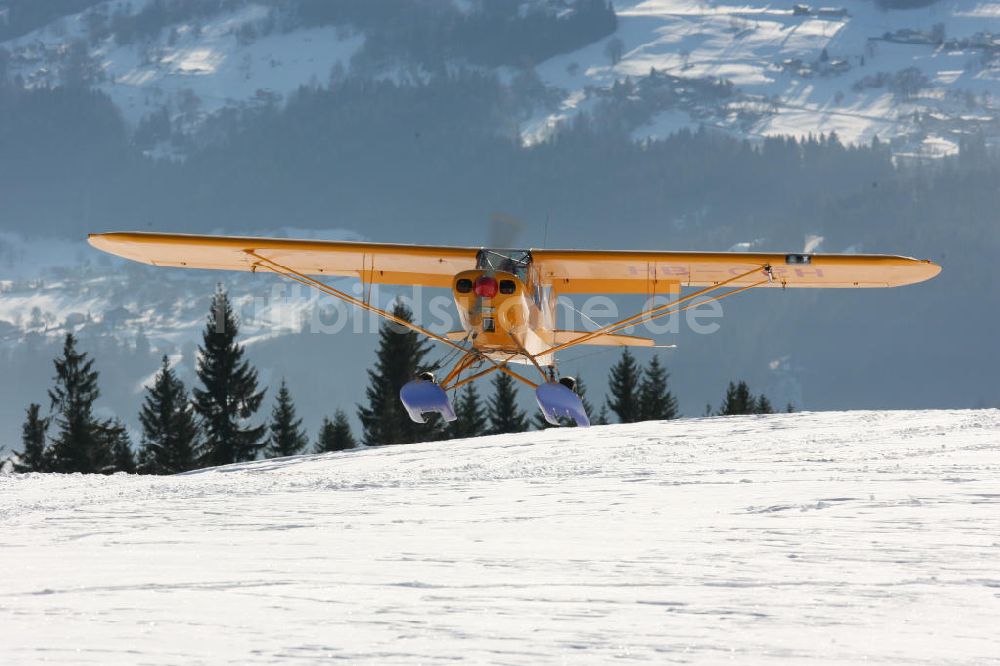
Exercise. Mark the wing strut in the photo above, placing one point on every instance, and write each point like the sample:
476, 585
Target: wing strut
468, 356
669, 308
291, 274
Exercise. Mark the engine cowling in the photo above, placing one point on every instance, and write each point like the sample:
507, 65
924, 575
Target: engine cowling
491, 304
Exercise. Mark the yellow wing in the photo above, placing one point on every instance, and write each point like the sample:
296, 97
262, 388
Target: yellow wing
569, 271
600, 271
383, 263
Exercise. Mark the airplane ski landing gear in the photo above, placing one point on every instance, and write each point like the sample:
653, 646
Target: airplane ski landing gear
422, 396
559, 399
556, 398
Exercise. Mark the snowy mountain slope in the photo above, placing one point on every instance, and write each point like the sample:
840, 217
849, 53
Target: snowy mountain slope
196, 69
803, 538
774, 57
924, 78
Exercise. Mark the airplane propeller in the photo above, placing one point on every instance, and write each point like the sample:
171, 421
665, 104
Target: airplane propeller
504, 230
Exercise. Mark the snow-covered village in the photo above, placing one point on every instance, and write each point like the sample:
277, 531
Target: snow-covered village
499, 331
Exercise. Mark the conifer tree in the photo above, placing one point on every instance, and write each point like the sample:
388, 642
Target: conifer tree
623, 386
581, 390
504, 414
31, 457
401, 356
657, 403
287, 437
335, 435
738, 400
78, 445
118, 443
471, 421
602, 416
169, 430
229, 396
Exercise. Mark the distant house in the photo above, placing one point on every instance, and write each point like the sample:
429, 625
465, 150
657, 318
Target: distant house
831, 12
822, 12
837, 66
909, 36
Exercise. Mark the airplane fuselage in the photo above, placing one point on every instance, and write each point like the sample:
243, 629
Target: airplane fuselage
506, 313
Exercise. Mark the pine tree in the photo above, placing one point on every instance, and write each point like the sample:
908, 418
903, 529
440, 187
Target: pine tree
624, 389
504, 414
169, 430
656, 402
581, 390
79, 445
229, 396
287, 436
335, 435
31, 458
471, 421
602, 416
738, 400
118, 443
763, 405
400, 357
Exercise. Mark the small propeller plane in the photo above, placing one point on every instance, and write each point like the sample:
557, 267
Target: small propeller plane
506, 298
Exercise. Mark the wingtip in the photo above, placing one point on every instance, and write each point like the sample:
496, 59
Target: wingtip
97, 239
102, 241
928, 270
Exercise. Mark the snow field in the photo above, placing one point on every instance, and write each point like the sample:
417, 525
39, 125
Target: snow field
802, 538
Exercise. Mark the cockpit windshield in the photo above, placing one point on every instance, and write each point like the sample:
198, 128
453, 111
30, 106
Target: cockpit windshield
508, 261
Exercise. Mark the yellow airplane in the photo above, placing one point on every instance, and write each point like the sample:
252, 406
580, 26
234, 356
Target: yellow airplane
506, 299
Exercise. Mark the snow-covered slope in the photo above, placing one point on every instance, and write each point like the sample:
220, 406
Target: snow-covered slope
923, 78
801, 538
785, 85
194, 68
